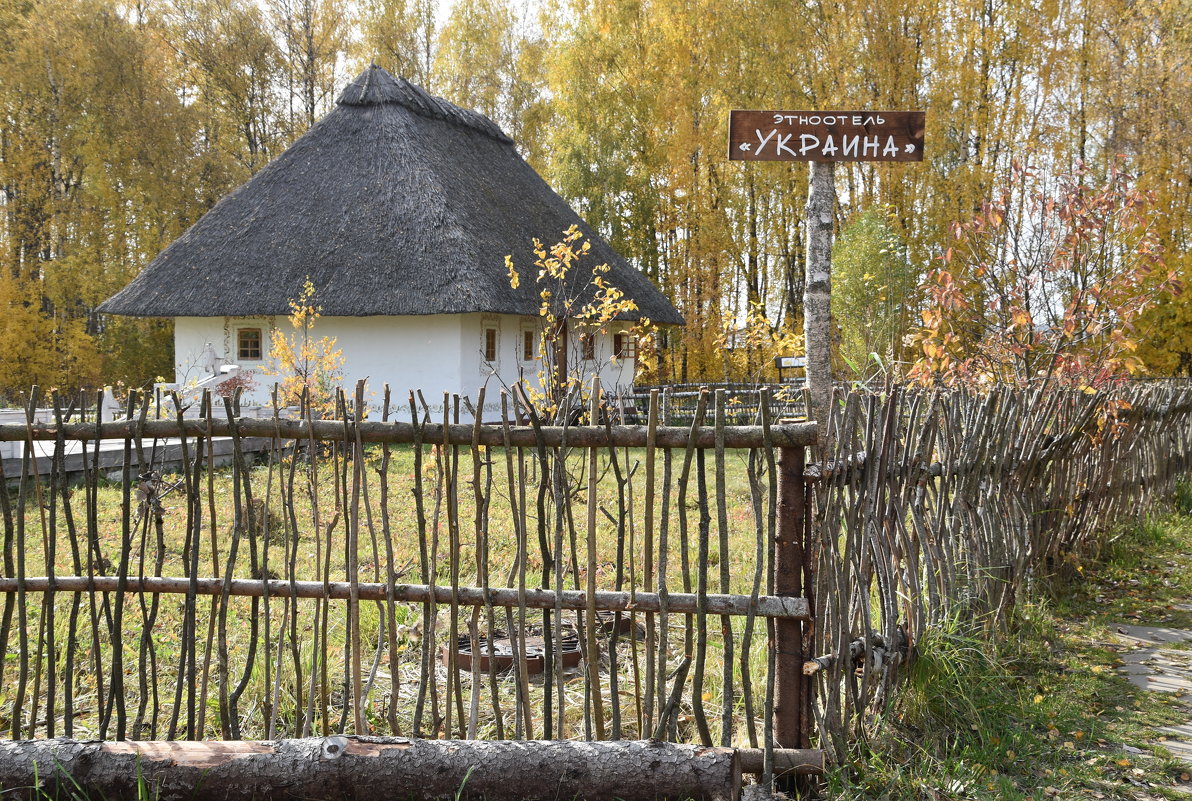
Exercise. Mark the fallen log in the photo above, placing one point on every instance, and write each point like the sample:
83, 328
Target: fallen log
341, 768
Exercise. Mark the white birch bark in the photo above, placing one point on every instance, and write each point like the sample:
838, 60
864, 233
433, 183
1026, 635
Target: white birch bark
817, 295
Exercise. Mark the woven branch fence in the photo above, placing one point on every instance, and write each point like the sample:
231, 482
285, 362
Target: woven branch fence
943, 506
399, 576
678, 402
631, 578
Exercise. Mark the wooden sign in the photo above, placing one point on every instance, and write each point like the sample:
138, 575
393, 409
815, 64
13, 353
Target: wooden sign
826, 135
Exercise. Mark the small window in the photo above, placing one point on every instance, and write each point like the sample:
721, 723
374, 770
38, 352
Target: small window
248, 343
625, 346
587, 347
490, 344
527, 346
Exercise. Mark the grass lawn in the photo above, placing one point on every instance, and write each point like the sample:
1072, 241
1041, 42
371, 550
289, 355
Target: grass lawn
484, 549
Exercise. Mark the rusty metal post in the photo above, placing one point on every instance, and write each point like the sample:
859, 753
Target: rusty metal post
788, 581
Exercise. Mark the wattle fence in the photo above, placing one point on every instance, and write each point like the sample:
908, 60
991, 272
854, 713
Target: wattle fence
712, 584
406, 576
943, 506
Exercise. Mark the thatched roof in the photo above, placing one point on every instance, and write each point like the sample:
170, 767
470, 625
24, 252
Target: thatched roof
396, 202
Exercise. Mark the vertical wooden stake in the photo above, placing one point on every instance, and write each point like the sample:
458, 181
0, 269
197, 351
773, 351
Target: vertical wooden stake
560, 353
592, 654
808, 626
788, 581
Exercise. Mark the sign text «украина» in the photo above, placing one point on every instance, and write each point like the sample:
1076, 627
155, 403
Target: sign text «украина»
826, 136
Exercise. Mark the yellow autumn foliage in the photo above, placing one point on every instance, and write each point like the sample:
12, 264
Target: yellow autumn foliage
125, 123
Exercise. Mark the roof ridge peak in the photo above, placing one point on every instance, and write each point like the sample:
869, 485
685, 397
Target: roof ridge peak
377, 86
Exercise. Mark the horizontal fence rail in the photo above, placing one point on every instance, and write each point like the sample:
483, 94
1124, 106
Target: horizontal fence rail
678, 402
336, 767
571, 600
670, 437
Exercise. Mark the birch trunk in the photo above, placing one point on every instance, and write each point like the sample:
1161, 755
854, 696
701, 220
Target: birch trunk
817, 294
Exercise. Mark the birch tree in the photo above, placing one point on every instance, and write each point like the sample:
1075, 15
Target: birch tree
817, 294
400, 35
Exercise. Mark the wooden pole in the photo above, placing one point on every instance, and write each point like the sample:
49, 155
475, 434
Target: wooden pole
817, 294
592, 653
788, 582
807, 625
560, 353
394, 432
339, 768
605, 600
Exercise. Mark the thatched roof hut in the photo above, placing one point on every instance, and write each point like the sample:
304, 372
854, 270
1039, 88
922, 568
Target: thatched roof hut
395, 203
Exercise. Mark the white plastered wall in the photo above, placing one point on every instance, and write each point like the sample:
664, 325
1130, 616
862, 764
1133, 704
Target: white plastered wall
510, 367
407, 352
433, 353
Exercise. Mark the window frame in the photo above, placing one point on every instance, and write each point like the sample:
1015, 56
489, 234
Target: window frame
240, 344
624, 345
492, 332
529, 343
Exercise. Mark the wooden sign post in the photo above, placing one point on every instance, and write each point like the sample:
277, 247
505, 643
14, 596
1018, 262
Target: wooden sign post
823, 138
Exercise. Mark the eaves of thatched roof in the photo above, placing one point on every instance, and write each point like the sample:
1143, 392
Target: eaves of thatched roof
396, 202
